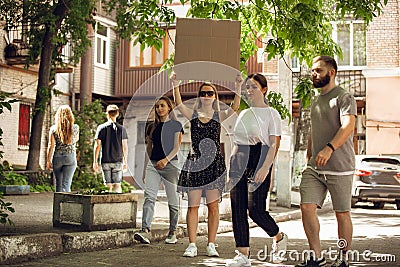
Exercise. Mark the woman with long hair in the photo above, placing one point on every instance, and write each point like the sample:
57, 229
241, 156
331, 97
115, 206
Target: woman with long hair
257, 134
204, 170
61, 155
163, 138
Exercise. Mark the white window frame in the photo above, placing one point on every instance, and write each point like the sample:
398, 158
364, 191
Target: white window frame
66, 52
335, 38
295, 69
103, 39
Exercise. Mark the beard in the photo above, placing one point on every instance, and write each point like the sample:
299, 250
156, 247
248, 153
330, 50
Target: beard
322, 81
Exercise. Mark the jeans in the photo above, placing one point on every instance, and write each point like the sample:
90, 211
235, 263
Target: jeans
169, 176
244, 164
64, 165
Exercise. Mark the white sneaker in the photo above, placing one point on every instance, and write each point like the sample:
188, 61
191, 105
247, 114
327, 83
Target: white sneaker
191, 251
239, 260
279, 249
211, 251
171, 239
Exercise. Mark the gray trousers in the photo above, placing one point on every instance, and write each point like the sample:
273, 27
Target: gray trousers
169, 177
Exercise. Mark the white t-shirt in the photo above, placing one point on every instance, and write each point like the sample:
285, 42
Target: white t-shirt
257, 124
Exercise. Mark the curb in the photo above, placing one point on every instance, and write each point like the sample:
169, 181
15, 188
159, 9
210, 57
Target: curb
16, 249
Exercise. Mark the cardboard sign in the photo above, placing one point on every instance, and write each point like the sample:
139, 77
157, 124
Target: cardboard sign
207, 41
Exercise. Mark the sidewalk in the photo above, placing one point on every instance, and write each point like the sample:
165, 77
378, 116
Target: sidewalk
33, 235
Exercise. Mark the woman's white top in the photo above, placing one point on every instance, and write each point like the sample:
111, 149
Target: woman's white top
257, 124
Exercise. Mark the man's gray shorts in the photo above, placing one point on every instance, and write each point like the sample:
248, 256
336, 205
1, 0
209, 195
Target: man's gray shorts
314, 187
112, 172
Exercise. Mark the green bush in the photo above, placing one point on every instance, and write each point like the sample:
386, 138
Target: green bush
12, 178
88, 118
5, 208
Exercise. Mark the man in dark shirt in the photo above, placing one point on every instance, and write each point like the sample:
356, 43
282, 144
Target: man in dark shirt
112, 138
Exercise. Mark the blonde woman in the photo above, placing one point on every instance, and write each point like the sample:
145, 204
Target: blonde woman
61, 156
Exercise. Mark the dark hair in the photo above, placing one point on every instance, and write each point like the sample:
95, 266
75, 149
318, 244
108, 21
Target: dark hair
152, 125
259, 78
328, 60
171, 106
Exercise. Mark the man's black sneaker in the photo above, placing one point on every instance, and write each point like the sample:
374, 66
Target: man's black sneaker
312, 263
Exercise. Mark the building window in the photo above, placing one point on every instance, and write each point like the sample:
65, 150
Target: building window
102, 37
150, 57
24, 124
351, 37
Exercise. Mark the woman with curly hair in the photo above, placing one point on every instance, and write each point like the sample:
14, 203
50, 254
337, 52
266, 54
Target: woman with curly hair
63, 136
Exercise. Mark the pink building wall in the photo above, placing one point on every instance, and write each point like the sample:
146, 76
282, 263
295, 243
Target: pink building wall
383, 115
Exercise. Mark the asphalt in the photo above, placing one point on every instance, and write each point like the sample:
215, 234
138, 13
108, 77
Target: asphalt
33, 236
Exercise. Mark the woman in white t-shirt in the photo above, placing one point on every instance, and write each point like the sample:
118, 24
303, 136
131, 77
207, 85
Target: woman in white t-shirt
256, 137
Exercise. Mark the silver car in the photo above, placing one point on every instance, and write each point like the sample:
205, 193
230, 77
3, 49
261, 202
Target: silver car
376, 180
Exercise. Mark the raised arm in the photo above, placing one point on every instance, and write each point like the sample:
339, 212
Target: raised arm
236, 101
187, 112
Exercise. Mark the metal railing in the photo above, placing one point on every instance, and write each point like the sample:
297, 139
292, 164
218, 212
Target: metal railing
351, 80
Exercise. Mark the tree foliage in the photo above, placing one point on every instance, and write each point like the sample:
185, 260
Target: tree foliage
41, 17
47, 26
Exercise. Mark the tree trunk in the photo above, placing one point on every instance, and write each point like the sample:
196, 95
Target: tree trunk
303, 129
86, 73
43, 93
300, 148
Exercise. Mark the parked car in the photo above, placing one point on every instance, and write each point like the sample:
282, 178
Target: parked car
376, 180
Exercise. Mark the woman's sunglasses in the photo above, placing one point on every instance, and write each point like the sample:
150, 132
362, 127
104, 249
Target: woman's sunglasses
208, 93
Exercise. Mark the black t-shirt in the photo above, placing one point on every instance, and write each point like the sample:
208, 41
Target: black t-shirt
111, 136
163, 139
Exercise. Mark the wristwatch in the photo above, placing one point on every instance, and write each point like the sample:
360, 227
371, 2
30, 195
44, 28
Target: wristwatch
330, 146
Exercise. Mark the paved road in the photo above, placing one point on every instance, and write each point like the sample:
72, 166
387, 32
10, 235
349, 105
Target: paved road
377, 231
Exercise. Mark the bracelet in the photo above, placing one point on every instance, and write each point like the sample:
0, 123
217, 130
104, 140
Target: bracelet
330, 146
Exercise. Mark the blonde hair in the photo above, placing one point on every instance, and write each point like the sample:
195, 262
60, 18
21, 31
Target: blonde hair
64, 124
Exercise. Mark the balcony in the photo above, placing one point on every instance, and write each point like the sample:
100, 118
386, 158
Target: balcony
16, 50
351, 80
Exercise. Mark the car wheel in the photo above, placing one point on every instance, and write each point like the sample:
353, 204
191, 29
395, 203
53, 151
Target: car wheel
379, 205
398, 204
354, 202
